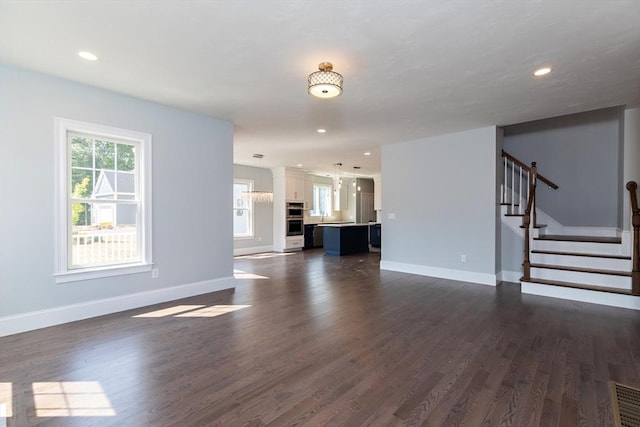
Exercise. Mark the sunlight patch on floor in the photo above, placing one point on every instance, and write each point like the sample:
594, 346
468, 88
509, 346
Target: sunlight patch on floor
170, 311
6, 400
213, 311
71, 399
193, 311
239, 274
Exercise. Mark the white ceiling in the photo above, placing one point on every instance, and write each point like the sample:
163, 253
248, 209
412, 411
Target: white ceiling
411, 68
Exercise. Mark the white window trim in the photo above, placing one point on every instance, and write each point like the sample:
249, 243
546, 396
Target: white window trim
63, 158
252, 224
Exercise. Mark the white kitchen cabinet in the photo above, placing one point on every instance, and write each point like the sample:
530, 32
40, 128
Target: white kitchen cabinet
295, 186
294, 242
308, 192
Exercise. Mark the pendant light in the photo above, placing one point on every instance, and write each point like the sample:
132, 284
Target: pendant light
257, 196
355, 168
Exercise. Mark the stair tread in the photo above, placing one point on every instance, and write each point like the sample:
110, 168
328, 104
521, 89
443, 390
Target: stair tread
582, 269
536, 226
513, 214
578, 286
536, 251
590, 239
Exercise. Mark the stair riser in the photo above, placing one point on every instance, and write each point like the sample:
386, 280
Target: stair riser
582, 261
619, 282
579, 247
594, 297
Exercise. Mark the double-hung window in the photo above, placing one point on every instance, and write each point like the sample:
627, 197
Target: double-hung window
242, 208
103, 201
321, 200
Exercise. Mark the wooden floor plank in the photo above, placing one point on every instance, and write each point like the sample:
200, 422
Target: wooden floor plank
335, 341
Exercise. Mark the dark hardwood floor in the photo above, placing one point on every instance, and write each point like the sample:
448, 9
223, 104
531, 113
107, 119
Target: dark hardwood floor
331, 341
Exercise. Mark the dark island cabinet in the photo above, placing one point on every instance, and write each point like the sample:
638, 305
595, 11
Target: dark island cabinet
375, 235
308, 235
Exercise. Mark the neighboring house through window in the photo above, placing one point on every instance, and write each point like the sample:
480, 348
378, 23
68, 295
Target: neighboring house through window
242, 208
104, 201
321, 200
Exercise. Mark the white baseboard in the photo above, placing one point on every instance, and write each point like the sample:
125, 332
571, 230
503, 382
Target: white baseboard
582, 295
509, 276
24, 322
253, 250
443, 273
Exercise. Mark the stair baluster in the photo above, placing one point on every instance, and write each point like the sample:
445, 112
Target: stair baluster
520, 209
513, 187
504, 182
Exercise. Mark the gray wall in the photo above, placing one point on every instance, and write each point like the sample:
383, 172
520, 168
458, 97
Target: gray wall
512, 248
263, 212
192, 191
580, 153
442, 191
631, 163
499, 174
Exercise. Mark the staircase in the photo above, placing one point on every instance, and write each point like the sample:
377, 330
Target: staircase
590, 268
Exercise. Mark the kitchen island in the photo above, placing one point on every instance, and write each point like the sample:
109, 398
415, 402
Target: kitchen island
345, 239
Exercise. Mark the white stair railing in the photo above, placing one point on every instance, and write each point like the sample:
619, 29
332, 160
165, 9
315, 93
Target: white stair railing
516, 180
516, 185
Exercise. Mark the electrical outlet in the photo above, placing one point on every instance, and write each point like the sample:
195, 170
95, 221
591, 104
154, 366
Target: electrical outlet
463, 258
155, 273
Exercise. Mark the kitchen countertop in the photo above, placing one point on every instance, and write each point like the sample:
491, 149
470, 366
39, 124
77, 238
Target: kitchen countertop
329, 223
348, 224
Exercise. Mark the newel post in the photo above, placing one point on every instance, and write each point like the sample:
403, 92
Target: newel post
635, 223
534, 178
526, 221
526, 264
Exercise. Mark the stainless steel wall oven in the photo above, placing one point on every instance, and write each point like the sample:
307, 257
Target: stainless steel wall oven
295, 213
295, 210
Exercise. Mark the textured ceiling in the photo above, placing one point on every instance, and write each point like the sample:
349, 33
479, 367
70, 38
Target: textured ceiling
411, 68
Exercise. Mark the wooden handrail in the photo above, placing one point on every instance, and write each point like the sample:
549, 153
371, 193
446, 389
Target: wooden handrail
635, 222
528, 168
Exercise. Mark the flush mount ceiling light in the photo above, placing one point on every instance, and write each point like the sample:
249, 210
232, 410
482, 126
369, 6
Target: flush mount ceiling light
542, 72
321, 131
87, 55
325, 83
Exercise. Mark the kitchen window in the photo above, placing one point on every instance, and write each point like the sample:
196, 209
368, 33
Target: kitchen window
103, 195
242, 208
321, 200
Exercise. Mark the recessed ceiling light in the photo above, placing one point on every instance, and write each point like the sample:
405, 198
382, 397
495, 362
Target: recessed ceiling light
542, 72
367, 153
87, 55
322, 130
299, 165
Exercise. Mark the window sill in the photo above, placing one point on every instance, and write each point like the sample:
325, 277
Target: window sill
101, 272
244, 237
